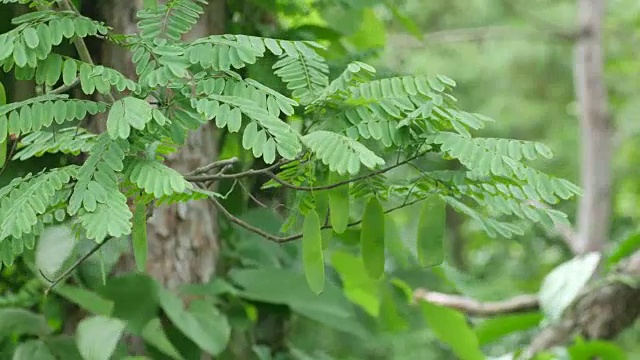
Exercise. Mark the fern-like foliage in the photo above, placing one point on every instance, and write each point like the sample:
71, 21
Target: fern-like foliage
40, 112
353, 125
71, 141
26, 200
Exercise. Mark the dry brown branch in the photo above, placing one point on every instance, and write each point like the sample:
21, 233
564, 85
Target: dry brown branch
473, 307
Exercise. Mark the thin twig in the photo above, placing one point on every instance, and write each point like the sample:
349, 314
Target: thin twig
214, 165
286, 239
64, 88
75, 265
10, 154
251, 172
260, 203
473, 307
340, 183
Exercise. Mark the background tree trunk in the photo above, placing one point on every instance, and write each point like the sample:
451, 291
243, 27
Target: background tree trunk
596, 130
183, 244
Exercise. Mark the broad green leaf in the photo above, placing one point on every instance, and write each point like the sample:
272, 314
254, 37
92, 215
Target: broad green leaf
563, 284
125, 114
625, 248
372, 238
98, 336
203, 323
32, 350
492, 329
54, 247
156, 337
596, 349
288, 287
22, 322
430, 237
312, 255
86, 299
63, 347
451, 327
339, 202
139, 236
358, 286
135, 299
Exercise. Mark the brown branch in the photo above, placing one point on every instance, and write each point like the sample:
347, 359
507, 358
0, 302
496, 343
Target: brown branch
220, 176
340, 183
473, 307
601, 312
214, 165
64, 88
286, 239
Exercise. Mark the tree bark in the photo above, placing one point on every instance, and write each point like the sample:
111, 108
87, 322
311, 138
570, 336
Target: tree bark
595, 128
182, 239
183, 243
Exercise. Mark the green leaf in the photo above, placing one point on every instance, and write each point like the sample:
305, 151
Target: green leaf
22, 322
358, 286
135, 299
563, 284
430, 238
596, 349
127, 113
624, 249
154, 335
98, 336
451, 327
55, 246
492, 329
312, 255
288, 287
339, 202
32, 350
86, 299
372, 238
139, 235
203, 323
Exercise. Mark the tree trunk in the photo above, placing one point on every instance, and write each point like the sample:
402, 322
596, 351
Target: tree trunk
596, 130
183, 244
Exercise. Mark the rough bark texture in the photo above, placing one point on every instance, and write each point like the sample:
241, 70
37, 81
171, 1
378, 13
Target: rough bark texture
596, 130
600, 313
183, 244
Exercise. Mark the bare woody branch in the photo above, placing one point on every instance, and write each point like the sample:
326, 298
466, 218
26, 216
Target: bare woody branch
600, 312
286, 239
473, 307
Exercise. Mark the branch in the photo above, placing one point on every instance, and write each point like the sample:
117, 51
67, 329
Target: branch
601, 312
338, 184
221, 176
214, 165
74, 266
286, 239
64, 88
80, 45
472, 307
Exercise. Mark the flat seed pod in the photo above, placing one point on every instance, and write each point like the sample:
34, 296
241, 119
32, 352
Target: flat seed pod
430, 237
372, 238
339, 203
139, 236
312, 257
